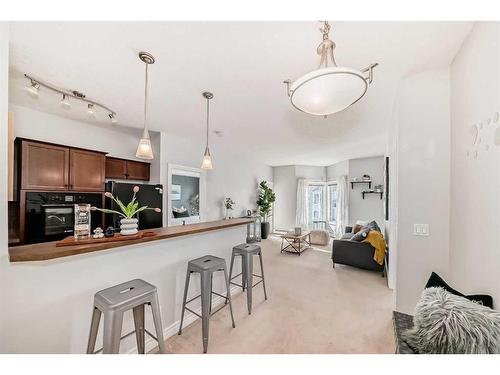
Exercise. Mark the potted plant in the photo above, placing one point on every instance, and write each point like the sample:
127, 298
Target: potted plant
265, 202
128, 223
228, 204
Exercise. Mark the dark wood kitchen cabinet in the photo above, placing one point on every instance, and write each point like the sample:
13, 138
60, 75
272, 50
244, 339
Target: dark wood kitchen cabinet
48, 167
87, 170
44, 166
123, 169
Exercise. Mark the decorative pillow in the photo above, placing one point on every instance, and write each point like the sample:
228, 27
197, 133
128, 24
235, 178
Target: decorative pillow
374, 226
448, 324
436, 281
361, 235
356, 228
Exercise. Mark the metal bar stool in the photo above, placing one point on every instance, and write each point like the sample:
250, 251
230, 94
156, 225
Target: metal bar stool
206, 266
113, 302
247, 251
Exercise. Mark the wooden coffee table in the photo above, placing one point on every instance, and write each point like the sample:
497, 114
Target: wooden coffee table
295, 244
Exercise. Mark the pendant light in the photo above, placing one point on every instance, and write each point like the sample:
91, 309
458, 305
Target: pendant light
144, 149
329, 89
207, 158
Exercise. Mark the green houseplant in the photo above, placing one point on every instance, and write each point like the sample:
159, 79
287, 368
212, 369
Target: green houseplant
129, 221
265, 202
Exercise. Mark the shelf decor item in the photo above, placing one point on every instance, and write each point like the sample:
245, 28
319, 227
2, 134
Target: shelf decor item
228, 204
129, 221
265, 202
82, 221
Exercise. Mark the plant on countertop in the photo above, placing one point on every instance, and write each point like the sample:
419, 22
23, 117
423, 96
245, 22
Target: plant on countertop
265, 201
127, 211
228, 203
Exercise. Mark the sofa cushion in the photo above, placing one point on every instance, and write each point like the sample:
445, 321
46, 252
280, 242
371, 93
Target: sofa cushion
357, 228
347, 236
436, 281
445, 323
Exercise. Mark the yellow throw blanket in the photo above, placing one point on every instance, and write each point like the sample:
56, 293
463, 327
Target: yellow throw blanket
376, 239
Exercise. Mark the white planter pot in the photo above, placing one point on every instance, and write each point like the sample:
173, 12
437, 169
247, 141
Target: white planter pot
128, 227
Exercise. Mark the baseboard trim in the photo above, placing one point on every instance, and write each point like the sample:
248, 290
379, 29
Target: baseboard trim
189, 318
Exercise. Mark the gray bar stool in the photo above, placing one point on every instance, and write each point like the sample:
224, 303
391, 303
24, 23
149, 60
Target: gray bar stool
206, 266
247, 251
113, 302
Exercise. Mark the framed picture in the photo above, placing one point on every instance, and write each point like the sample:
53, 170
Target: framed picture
175, 193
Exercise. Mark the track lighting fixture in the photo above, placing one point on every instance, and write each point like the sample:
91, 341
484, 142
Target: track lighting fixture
32, 88
65, 102
35, 84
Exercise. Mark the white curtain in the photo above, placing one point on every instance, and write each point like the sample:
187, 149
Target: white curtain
302, 212
342, 215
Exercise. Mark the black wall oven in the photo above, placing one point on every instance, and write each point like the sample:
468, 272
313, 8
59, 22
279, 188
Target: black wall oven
50, 216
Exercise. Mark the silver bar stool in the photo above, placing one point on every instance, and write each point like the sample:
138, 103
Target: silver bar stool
206, 266
247, 251
113, 302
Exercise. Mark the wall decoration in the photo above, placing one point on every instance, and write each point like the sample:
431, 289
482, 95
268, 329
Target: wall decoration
175, 193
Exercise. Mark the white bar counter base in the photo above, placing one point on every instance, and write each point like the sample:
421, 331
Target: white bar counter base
46, 305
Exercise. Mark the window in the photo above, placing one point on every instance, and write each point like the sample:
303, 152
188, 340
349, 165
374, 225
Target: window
332, 203
316, 202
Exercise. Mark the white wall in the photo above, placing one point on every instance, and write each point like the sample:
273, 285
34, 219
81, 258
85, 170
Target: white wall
285, 186
234, 175
4, 84
423, 182
334, 171
372, 207
475, 181
4, 94
116, 140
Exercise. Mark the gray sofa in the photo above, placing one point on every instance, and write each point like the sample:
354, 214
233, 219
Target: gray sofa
354, 253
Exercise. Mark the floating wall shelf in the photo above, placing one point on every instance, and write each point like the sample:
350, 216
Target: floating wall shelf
372, 192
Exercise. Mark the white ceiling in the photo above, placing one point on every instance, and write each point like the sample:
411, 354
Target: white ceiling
243, 64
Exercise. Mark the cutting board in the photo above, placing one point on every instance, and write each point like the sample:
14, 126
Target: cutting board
71, 241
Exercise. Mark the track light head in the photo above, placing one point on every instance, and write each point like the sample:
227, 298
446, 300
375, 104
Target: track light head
91, 110
65, 102
32, 88
112, 116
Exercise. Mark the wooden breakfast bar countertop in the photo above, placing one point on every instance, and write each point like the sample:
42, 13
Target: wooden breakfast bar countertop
49, 250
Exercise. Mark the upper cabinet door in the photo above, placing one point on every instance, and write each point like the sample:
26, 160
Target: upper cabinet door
137, 170
87, 170
116, 168
44, 167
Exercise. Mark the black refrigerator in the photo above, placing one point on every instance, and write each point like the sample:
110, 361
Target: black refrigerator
148, 195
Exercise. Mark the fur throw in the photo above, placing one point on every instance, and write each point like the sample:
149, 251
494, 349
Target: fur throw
448, 324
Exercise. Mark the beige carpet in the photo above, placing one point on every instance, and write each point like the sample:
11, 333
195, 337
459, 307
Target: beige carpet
311, 308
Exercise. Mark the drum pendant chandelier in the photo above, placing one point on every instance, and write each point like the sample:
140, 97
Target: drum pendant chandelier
330, 88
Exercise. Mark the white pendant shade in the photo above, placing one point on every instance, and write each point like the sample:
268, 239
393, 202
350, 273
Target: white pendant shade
144, 149
207, 160
328, 90
331, 88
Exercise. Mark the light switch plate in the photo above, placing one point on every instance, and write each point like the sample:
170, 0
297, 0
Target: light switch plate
421, 229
